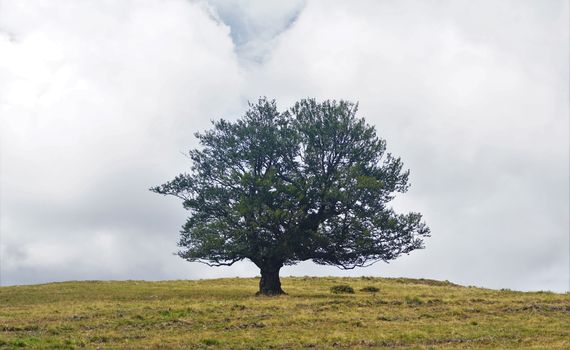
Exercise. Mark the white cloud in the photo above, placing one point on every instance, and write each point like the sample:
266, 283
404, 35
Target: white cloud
255, 25
480, 117
97, 98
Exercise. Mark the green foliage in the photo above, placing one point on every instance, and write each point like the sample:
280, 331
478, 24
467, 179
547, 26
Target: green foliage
370, 289
342, 289
310, 183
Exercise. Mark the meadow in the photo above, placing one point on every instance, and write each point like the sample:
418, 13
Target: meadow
226, 314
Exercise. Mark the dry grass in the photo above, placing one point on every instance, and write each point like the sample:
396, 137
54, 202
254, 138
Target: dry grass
225, 314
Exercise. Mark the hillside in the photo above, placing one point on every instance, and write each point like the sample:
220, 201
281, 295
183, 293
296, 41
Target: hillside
225, 314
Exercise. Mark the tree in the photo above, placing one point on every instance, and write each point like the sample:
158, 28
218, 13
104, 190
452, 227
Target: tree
311, 183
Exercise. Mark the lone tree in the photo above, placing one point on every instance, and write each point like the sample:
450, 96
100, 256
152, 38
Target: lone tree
311, 183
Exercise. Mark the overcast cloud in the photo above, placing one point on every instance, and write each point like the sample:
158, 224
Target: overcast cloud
98, 100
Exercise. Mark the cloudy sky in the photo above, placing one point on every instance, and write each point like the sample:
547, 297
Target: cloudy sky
99, 99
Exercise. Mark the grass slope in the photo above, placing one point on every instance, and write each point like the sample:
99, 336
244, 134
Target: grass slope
224, 313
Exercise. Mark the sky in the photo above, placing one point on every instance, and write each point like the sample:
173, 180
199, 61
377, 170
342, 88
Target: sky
100, 99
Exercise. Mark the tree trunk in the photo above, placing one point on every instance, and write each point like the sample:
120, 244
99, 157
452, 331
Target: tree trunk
270, 283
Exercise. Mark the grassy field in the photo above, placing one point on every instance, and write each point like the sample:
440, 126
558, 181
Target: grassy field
225, 314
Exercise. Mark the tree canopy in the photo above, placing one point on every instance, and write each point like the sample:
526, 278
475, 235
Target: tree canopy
310, 183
